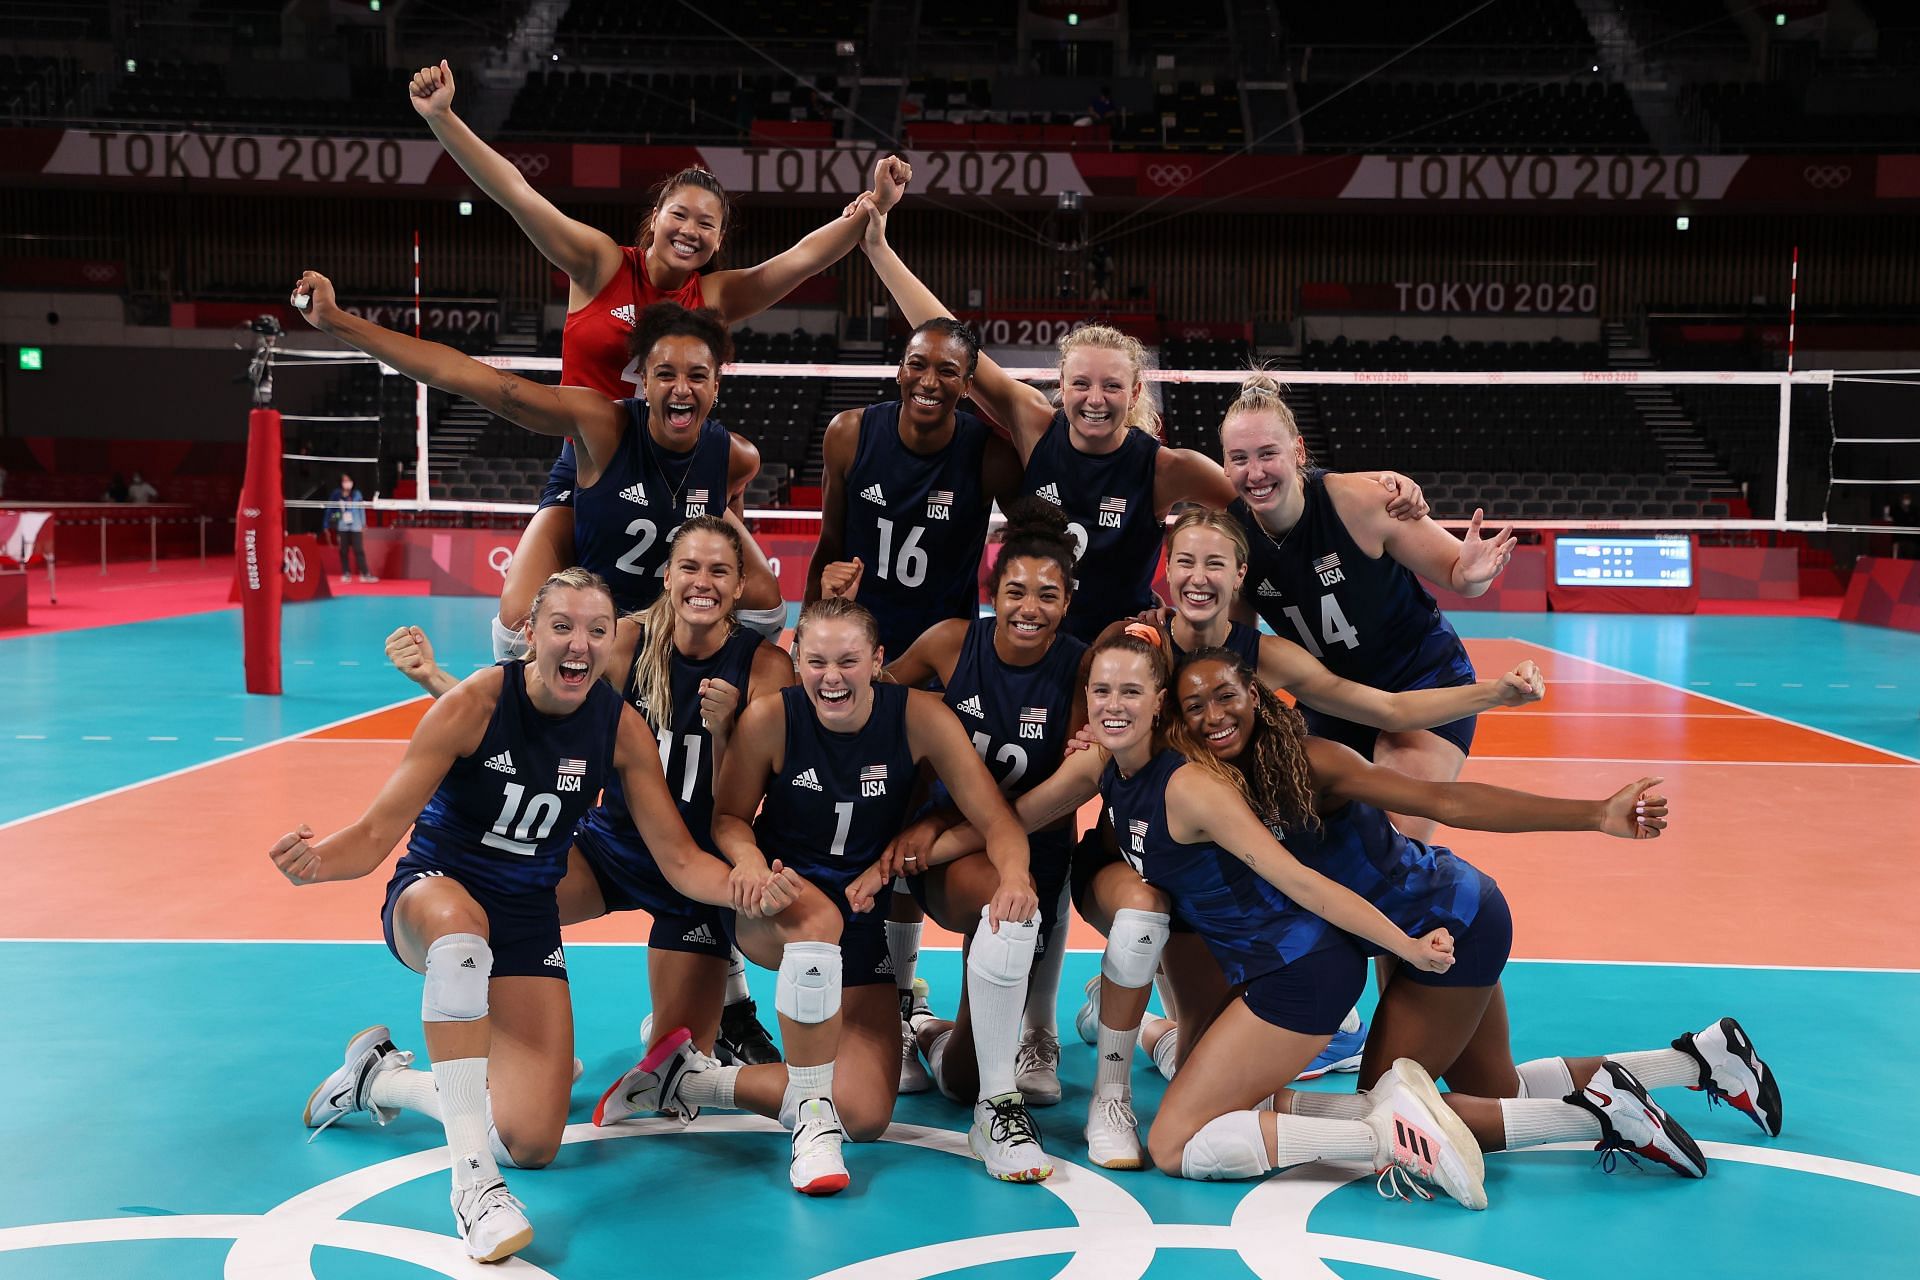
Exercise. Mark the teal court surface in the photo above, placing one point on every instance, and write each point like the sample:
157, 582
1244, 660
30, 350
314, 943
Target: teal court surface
170, 1001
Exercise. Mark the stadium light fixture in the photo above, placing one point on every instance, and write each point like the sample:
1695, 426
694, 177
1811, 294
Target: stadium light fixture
32, 360
1073, 19
132, 66
373, 5
1779, 19
466, 209
1682, 222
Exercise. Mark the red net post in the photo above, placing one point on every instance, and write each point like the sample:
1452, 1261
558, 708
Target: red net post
257, 549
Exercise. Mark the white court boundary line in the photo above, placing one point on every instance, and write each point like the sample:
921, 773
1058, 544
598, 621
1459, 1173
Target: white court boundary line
1725, 702
10, 823
1080, 951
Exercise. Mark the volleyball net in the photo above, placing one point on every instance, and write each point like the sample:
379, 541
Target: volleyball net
1742, 454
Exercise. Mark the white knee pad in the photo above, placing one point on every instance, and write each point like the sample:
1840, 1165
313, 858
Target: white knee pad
1545, 1078
1003, 956
1227, 1147
507, 643
809, 987
458, 966
768, 622
1133, 947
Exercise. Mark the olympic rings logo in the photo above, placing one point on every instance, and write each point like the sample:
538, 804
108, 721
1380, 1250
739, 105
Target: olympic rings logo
251, 513
293, 563
1169, 175
530, 164
1113, 1235
98, 272
1827, 177
500, 559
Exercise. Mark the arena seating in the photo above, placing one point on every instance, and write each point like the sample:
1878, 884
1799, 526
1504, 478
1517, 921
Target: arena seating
1421, 115
197, 92
1190, 413
1171, 25
36, 87
1772, 115
1548, 37
637, 106
632, 28
70, 20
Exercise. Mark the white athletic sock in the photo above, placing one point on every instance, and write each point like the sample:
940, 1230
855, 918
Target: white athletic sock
501, 1156
1043, 984
463, 1102
768, 622
1351, 1023
999, 960
736, 977
1160, 1037
507, 644
714, 1086
1331, 1106
1545, 1078
1659, 1068
1115, 1050
936, 1055
804, 1084
1531, 1122
903, 947
411, 1090
1300, 1139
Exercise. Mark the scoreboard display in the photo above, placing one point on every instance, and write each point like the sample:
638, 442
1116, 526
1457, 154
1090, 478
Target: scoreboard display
1602, 561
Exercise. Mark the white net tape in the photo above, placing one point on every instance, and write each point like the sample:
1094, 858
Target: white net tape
1788, 423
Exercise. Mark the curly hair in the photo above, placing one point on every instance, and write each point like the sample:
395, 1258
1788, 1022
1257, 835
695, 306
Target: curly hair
1276, 778
671, 320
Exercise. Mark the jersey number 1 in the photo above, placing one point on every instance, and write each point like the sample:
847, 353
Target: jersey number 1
1333, 626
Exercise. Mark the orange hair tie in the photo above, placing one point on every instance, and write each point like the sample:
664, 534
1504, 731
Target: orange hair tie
1144, 631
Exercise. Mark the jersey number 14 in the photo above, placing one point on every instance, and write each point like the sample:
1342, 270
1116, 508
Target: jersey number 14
1334, 627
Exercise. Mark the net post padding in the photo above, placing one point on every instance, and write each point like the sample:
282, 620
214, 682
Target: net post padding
259, 538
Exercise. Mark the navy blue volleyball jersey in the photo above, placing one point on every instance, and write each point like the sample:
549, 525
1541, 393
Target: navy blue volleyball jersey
838, 798
624, 523
1016, 716
1249, 925
918, 523
1367, 619
1420, 887
1108, 501
686, 746
504, 816
1241, 639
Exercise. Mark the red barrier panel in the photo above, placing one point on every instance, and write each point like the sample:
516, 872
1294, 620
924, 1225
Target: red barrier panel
1520, 588
1747, 573
1884, 592
13, 599
257, 551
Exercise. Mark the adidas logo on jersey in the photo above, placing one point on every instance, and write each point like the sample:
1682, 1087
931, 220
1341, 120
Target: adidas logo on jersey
872, 494
810, 780
623, 314
1267, 589
635, 493
1048, 493
502, 763
885, 968
700, 933
973, 708
558, 960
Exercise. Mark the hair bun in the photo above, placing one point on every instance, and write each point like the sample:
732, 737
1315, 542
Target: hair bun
1029, 517
1260, 382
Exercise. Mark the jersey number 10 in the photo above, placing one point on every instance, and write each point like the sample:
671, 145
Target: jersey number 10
535, 824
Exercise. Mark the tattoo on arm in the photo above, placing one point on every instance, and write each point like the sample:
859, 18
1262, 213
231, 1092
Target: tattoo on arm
509, 401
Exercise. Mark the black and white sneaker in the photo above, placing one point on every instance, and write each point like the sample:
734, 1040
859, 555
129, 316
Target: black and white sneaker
1631, 1122
742, 1039
1731, 1072
346, 1091
492, 1222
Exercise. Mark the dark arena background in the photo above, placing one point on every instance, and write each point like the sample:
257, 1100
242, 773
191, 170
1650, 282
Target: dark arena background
1638, 278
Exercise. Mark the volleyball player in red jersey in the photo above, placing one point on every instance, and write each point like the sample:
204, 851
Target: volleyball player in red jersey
608, 286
